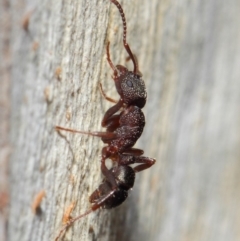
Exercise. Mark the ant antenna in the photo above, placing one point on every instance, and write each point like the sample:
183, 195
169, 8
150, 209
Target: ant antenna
126, 46
110, 61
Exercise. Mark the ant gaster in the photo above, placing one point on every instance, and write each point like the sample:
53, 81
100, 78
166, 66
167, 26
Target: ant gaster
122, 131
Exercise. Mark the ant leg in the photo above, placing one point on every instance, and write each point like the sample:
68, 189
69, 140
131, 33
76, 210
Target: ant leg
125, 160
107, 136
113, 123
70, 223
105, 96
134, 151
110, 112
110, 178
93, 208
108, 175
147, 162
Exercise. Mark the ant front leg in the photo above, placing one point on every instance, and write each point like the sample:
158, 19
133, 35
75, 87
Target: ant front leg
113, 123
105, 96
106, 121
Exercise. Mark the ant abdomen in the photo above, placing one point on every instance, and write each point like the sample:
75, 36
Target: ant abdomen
117, 198
124, 177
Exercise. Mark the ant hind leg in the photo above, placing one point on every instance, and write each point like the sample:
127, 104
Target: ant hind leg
146, 162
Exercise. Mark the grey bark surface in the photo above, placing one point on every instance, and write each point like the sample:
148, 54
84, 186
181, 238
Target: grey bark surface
188, 52
4, 116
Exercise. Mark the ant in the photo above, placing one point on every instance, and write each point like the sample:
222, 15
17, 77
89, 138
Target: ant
123, 129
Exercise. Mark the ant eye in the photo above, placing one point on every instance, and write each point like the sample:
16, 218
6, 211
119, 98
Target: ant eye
129, 83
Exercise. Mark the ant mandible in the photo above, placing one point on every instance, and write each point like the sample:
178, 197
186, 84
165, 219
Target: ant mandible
122, 131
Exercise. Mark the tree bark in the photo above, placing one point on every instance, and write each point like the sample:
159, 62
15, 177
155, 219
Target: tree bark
5, 148
188, 52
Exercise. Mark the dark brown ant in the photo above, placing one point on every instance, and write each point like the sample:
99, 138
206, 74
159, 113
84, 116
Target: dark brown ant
122, 131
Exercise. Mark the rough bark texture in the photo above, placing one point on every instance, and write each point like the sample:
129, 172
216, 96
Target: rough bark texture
4, 115
188, 53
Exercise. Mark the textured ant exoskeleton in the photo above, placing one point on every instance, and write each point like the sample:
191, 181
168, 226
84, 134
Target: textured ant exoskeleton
122, 131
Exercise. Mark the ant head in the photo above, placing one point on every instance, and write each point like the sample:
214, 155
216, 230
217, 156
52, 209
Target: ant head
130, 86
